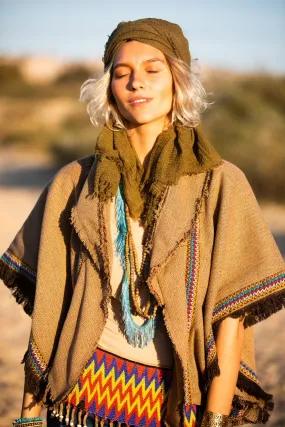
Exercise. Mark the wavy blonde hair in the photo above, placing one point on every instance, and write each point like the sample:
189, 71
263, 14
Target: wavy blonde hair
189, 96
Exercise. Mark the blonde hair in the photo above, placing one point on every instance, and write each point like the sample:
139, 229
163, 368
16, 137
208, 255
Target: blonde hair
189, 97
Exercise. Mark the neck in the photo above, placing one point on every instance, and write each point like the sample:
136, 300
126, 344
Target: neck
143, 138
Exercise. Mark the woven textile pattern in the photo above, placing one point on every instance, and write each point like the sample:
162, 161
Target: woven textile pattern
192, 273
248, 372
35, 359
117, 389
17, 265
249, 295
210, 349
190, 415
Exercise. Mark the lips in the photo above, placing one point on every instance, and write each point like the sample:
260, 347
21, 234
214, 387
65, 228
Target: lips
139, 100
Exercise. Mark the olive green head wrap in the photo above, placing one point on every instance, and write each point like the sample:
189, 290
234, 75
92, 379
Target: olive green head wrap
163, 35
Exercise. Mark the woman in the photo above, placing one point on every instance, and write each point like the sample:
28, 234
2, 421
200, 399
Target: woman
144, 266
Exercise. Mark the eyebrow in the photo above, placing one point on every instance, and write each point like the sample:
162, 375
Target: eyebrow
123, 64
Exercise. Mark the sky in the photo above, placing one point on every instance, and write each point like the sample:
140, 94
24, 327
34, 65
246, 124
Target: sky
243, 35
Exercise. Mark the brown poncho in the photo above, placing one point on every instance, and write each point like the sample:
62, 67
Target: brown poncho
210, 249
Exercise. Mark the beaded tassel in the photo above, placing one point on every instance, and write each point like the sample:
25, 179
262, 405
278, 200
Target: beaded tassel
84, 422
61, 406
72, 414
79, 418
54, 412
138, 336
68, 408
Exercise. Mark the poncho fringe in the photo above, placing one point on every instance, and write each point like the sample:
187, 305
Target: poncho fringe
252, 314
23, 290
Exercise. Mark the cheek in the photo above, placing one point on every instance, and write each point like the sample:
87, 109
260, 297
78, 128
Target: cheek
166, 90
116, 91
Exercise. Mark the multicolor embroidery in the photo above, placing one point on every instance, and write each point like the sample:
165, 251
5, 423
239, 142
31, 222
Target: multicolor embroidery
248, 372
237, 413
248, 295
210, 349
19, 266
192, 273
35, 359
190, 412
120, 390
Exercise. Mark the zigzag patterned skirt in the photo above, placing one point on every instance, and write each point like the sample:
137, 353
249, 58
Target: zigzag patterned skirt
113, 391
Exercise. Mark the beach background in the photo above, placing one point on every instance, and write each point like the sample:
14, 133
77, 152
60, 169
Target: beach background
44, 126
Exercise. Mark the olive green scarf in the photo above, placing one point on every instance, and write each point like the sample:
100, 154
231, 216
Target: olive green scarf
177, 151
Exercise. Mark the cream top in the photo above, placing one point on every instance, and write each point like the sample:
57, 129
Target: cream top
159, 351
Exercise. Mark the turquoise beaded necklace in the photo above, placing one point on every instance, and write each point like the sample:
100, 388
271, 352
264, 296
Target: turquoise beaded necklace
138, 336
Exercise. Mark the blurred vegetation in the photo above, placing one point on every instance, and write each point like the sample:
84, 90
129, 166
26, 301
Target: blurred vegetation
245, 123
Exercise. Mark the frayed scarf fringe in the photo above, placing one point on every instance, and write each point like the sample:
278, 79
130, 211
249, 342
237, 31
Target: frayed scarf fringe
22, 288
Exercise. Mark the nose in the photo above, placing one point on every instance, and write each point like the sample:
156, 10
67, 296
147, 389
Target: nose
136, 81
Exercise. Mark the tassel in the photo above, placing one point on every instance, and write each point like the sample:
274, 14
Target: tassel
138, 336
54, 413
102, 423
68, 408
84, 422
72, 414
120, 242
96, 421
79, 418
61, 406
57, 411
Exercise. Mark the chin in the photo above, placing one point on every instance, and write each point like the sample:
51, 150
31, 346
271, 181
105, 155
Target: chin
143, 119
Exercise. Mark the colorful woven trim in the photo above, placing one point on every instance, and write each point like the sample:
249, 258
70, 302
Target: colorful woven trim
190, 412
116, 389
211, 350
19, 266
35, 360
248, 295
28, 422
237, 413
248, 372
192, 272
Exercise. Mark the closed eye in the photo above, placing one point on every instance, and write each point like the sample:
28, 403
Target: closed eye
120, 76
